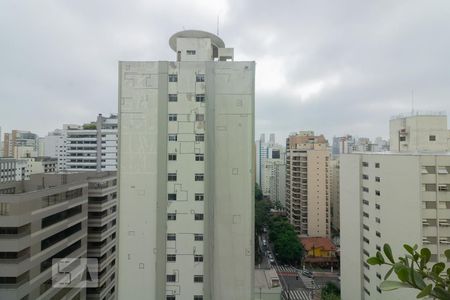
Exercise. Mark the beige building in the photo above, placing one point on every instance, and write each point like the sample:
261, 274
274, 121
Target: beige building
55, 216
186, 179
19, 144
399, 197
307, 184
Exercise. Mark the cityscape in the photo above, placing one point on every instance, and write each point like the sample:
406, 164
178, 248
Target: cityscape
222, 164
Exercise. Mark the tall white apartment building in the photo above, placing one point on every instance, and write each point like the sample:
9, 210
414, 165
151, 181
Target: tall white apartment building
276, 155
186, 177
398, 197
89, 147
55, 145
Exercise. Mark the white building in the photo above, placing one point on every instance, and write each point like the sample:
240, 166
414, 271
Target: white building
186, 180
399, 197
55, 145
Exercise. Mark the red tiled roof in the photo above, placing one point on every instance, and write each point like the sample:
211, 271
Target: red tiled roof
317, 242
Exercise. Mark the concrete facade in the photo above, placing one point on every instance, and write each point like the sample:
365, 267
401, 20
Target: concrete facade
307, 184
20, 144
186, 180
396, 198
334, 169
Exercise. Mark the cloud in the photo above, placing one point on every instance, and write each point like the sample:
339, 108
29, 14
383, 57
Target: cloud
335, 67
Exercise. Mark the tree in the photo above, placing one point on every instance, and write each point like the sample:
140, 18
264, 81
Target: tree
330, 292
262, 214
258, 193
413, 271
285, 241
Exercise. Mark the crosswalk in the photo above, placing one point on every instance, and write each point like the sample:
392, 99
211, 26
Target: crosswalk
285, 269
291, 271
298, 294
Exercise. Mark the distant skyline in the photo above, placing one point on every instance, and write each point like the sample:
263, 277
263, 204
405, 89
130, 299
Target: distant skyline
332, 67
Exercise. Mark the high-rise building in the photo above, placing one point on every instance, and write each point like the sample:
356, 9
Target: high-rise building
186, 180
307, 184
55, 145
275, 156
12, 169
55, 216
333, 168
278, 183
92, 147
398, 197
20, 144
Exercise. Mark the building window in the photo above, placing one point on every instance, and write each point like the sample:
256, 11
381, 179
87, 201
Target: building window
378, 193
198, 297
365, 202
402, 138
198, 237
199, 137
171, 216
430, 187
366, 278
366, 177
199, 157
377, 206
377, 179
378, 275
378, 289
171, 257
365, 214
200, 98
173, 77
199, 177
367, 291
172, 197
365, 164
171, 237
366, 227
378, 248
172, 117
200, 77
190, 52
199, 117
172, 156
199, 197
198, 258
365, 189
173, 97
172, 177
172, 137
171, 297
377, 165
198, 217
198, 278
378, 220
366, 240
432, 138
171, 278
378, 234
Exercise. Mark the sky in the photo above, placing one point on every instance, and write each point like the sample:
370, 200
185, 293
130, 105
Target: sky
335, 67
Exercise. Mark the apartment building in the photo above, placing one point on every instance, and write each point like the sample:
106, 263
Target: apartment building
307, 184
91, 147
40, 219
398, 197
186, 180
277, 191
102, 232
57, 216
55, 145
20, 144
13, 170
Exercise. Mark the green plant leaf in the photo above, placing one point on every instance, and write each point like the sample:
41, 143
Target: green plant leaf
447, 253
438, 268
373, 261
409, 249
426, 254
380, 257
426, 291
402, 274
388, 273
417, 279
388, 252
441, 293
389, 285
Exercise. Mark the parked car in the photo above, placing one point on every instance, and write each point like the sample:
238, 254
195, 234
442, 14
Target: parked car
308, 273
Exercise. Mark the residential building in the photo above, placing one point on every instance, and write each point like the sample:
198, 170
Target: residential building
53, 216
186, 180
20, 144
275, 156
398, 197
40, 219
278, 183
319, 251
92, 147
267, 285
42, 164
333, 168
55, 145
342, 144
14, 170
307, 184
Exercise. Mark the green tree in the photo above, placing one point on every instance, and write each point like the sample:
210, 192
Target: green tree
285, 241
262, 214
258, 193
330, 292
413, 271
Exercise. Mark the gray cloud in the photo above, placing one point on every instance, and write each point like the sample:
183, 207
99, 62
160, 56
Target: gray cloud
335, 67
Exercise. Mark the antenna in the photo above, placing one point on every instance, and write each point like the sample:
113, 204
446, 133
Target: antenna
217, 24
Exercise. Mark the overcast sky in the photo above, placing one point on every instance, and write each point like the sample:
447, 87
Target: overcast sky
334, 67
